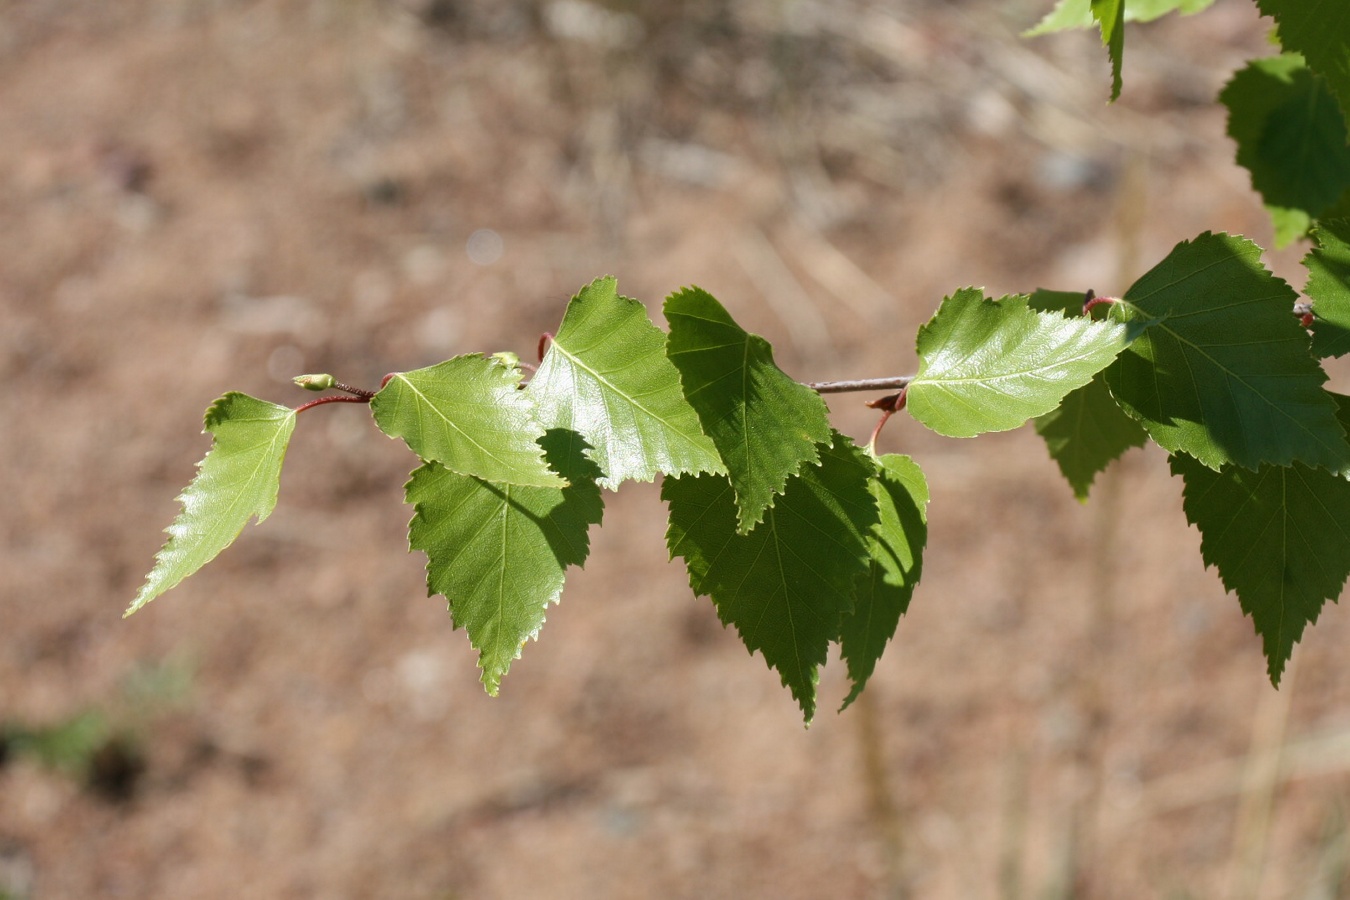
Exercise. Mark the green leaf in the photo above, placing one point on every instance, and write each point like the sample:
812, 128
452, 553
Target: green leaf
788, 584
991, 366
1222, 369
1329, 288
1078, 13
469, 415
1320, 30
498, 552
236, 481
1087, 433
606, 376
895, 547
1280, 538
1110, 17
1088, 430
765, 425
1291, 136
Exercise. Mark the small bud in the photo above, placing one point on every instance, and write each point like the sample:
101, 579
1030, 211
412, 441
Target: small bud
315, 382
508, 359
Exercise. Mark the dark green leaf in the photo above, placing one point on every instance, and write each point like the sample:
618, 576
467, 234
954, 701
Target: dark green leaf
765, 426
237, 481
1222, 369
1320, 30
469, 415
498, 552
895, 547
788, 584
606, 376
1329, 288
991, 366
1280, 538
1291, 136
1087, 433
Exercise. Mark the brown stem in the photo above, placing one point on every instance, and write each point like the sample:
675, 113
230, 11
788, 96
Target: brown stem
354, 391
899, 382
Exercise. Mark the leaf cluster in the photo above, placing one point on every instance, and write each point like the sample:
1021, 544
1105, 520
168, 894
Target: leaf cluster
803, 540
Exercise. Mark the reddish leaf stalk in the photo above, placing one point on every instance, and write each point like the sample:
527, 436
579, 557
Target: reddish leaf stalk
322, 400
1092, 301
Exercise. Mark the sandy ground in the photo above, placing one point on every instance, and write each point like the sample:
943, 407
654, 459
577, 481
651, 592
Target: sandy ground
203, 196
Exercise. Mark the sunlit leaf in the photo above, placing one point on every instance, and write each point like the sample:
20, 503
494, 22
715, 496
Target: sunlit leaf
606, 377
237, 481
468, 414
991, 366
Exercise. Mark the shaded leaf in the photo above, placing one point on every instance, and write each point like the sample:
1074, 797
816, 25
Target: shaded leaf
1279, 537
1320, 30
236, 481
1088, 430
498, 552
606, 377
1291, 136
895, 549
788, 584
764, 424
468, 414
1329, 288
1222, 370
991, 366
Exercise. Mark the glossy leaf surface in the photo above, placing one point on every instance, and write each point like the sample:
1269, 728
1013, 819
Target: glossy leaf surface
991, 366
607, 377
468, 414
236, 481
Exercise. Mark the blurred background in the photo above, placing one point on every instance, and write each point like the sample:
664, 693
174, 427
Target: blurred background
204, 195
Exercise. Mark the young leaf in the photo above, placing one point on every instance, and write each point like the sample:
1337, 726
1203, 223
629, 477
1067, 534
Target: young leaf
895, 547
1321, 32
1110, 17
236, 481
606, 376
765, 425
991, 366
468, 414
1222, 369
788, 584
498, 552
1329, 288
1280, 538
1291, 136
1078, 13
1088, 430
